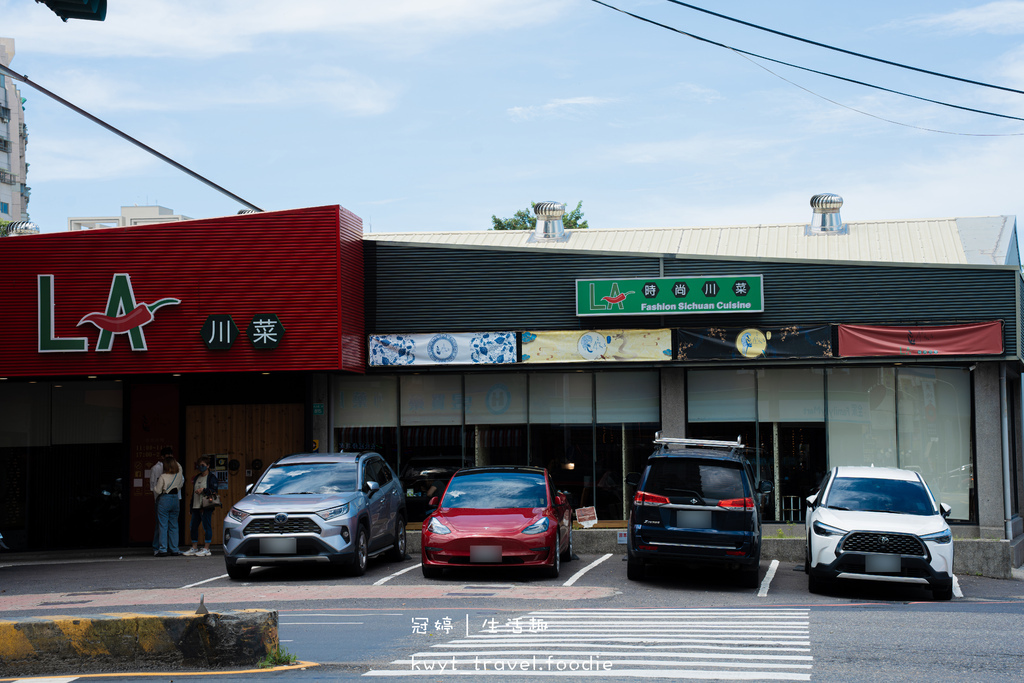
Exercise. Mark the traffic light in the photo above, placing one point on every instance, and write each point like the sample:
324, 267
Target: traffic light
92, 10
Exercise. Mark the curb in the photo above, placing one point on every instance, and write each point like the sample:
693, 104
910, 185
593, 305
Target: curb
119, 641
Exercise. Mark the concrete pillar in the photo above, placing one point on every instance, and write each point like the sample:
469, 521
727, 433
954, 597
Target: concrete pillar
673, 402
988, 473
320, 425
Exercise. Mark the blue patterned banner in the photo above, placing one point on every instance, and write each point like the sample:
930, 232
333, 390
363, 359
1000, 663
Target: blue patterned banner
443, 348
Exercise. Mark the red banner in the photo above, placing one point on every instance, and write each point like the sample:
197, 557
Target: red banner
970, 339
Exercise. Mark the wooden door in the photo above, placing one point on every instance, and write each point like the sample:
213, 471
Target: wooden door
251, 436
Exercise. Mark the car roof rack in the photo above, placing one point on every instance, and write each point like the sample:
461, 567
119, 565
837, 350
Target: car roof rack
696, 443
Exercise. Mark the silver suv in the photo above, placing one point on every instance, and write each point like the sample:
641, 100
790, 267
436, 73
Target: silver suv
332, 508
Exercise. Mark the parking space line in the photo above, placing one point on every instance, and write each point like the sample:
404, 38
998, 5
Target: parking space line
957, 593
772, 568
200, 583
381, 582
575, 577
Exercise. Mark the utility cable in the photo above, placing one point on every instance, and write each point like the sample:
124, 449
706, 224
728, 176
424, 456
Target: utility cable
846, 52
804, 68
141, 145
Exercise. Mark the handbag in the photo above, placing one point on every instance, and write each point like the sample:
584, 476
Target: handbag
211, 501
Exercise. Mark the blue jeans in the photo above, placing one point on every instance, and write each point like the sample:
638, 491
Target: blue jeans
167, 506
204, 515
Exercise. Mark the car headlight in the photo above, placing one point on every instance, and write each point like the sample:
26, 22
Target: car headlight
538, 527
821, 529
438, 528
331, 513
237, 515
945, 536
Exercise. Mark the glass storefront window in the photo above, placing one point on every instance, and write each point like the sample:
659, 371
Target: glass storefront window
628, 415
365, 415
862, 416
720, 396
561, 398
934, 420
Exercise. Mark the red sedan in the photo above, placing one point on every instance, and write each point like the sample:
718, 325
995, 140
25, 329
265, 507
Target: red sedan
498, 517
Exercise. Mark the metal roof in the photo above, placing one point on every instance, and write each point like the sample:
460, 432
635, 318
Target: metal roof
978, 240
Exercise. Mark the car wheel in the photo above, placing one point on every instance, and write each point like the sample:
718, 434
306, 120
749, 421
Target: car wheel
396, 553
358, 566
238, 572
551, 571
568, 554
816, 584
807, 556
945, 593
432, 572
750, 577
635, 569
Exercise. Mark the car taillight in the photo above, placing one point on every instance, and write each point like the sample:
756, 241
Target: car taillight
644, 498
745, 503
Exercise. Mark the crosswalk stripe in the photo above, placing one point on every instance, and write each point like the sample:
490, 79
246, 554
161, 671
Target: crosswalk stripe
723, 644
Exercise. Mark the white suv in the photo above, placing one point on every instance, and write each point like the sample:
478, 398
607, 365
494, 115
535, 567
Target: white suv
878, 524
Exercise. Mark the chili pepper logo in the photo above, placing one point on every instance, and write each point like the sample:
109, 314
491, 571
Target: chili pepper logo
618, 298
137, 317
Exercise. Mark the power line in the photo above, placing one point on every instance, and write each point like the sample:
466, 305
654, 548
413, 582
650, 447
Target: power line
846, 52
141, 145
804, 68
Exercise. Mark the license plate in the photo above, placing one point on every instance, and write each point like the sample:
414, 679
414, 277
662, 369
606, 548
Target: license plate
277, 546
881, 564
489, 554
693, 519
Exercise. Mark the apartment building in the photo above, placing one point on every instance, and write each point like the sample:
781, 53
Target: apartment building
14, 193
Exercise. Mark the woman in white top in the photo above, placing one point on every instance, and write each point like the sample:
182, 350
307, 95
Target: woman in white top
168, 505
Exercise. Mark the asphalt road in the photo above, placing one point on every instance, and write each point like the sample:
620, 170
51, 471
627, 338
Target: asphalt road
590, 622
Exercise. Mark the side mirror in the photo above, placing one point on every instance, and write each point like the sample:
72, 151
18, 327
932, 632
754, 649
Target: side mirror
560, 499
945, 509
372, 487
765, 486
633, 478
812, 500
433, 502
248, 488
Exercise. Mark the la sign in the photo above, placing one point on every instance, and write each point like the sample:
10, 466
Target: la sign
122, 315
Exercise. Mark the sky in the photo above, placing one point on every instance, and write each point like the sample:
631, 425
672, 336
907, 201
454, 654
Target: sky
435, 115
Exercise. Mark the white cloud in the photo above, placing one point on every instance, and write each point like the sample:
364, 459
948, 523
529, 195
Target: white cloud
1005, 17
78, 159
338, 88
201, 29
560, 108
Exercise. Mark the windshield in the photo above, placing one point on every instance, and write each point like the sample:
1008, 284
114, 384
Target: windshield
315, 477
493, 490
880, 495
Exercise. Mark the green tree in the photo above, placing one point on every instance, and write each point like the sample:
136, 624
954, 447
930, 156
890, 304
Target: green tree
3, 228
525, 219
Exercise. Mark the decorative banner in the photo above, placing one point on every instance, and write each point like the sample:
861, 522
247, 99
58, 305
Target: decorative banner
670, 295
459, 348
792, 341
940, 340
597, 345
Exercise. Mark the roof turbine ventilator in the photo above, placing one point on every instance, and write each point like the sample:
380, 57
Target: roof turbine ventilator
549, 226
826, 220
22, 228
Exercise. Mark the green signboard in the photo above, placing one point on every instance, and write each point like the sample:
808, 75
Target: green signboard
670, 295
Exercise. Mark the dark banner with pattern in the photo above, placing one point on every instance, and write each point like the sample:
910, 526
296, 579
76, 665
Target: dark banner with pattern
786, 341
